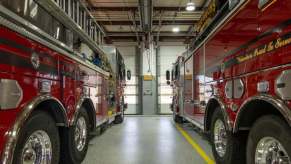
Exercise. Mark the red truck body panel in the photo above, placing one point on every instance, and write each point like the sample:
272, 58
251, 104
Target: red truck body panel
252, 45
68, 78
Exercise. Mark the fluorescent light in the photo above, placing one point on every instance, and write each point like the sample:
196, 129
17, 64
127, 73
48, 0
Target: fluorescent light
190, 6
176, 29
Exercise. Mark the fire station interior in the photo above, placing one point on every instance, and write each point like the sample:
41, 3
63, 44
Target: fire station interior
145, 81
150, 35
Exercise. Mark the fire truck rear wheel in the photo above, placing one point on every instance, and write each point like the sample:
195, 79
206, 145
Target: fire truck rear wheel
76, 139
178, 119
226, 148
39, 140
269, 141
119, 119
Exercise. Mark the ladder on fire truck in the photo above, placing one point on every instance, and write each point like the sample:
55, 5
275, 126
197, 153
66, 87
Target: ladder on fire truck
75, 14
219, 15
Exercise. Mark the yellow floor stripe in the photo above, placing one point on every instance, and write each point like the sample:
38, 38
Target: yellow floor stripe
199, 150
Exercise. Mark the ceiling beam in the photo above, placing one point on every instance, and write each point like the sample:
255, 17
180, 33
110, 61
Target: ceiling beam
174, 9
93, 9
155, 22
134, 39
164, 33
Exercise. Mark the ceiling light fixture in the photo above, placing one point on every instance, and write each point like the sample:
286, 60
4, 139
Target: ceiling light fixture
176, 29
190, 6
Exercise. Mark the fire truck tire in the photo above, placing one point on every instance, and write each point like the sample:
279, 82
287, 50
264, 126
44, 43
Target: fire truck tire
39, 138
177, 119
226, 148
103, 127
269, 138
119, 119
76, 139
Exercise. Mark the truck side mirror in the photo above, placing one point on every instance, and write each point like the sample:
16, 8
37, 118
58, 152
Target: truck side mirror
168, 74
128, 75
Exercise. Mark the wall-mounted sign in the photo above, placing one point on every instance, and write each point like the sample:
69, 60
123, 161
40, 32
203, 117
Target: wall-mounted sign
148, 77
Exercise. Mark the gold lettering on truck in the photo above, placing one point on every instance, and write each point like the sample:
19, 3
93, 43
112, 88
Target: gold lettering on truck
266, 48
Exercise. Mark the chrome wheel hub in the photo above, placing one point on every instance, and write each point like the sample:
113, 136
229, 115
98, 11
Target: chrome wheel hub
37, 149
270, 151
220, 137
80, 134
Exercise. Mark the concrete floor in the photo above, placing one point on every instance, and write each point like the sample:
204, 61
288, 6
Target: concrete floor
146, 140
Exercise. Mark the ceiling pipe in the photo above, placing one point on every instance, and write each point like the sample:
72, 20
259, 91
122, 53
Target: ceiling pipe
159, 30
132, 17
146, 14
146, 18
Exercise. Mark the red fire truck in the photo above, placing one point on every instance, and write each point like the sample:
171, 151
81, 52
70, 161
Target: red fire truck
53, 81
177, 83
235, 82
117, 84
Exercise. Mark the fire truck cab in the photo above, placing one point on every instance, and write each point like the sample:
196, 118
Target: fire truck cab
234, 82
177, 83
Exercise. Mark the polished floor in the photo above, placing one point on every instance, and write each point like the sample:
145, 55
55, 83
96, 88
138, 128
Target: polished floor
147, 140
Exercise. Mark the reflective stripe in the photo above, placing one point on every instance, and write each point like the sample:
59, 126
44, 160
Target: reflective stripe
199, 150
